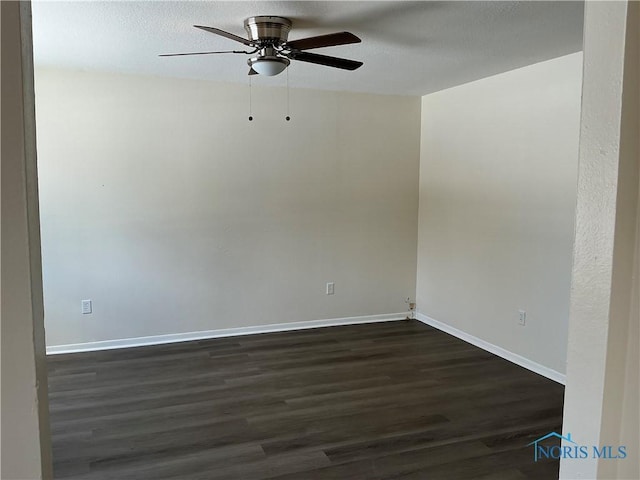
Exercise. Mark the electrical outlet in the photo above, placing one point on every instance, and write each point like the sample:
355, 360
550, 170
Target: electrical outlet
331, 288
412, 308
86, 307
412, 305
522, 318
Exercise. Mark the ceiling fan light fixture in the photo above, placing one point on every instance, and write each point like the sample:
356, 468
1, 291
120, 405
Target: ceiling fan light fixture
269, 66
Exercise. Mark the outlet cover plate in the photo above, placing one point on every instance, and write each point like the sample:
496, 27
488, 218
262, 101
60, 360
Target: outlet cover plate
87, 307
522, 318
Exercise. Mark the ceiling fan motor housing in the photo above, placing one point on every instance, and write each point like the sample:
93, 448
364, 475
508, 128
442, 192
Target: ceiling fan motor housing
268, 30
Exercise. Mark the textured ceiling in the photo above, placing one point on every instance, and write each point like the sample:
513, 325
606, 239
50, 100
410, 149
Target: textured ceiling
409, 48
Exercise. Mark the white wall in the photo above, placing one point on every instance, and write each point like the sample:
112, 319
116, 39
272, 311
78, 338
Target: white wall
621, 388
601, 398
497, 196
26, 446
163, 204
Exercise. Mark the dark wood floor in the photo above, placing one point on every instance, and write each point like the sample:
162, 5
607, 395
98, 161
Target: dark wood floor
396, 400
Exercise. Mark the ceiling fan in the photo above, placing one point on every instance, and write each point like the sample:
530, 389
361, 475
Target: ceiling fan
268, 39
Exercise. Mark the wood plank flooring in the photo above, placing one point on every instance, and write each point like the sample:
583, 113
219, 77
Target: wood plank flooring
395, 400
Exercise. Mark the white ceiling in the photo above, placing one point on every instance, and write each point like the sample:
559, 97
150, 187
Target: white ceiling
409, 48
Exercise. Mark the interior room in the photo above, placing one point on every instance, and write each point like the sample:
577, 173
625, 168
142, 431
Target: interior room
318, 239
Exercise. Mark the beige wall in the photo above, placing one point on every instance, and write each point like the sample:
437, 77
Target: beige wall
163, 204
601, 398
627, 430
497, 196
629, 433
25, 430
621, 397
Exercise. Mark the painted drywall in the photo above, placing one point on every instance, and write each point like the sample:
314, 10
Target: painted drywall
602, 393
497, 196
26, 447
621, 405
173, 213
630, 409
629, 421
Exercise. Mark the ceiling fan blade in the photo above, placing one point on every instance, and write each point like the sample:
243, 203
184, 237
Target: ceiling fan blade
217, 31
326, 60
199, 53
330, 40
252, 71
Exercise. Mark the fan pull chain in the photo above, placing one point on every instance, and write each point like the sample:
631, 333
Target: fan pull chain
287, 118
250, 109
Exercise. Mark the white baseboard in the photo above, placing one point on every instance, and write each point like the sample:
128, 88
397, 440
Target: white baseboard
489, 347
225, 332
